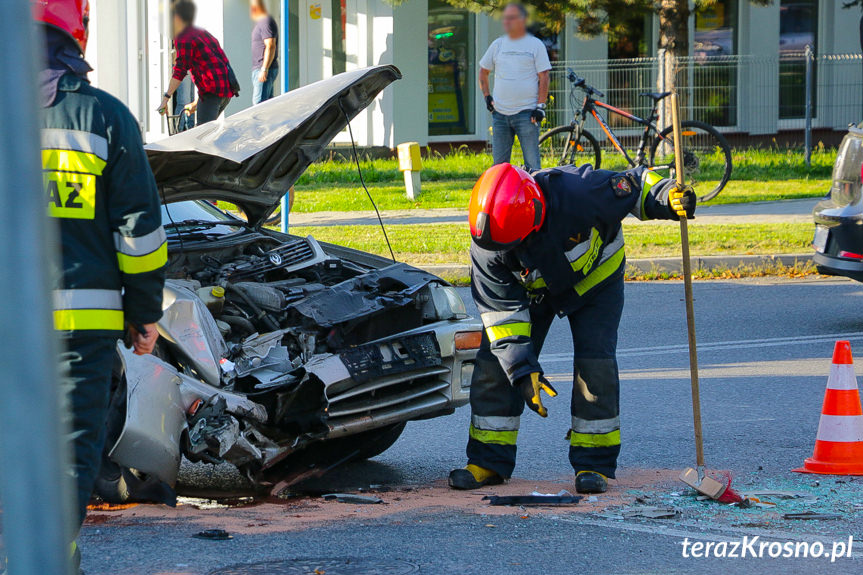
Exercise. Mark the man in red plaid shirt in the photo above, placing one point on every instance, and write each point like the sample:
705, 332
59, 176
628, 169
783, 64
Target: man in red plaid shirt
198, 51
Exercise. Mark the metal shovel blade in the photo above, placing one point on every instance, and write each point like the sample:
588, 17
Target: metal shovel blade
703, 484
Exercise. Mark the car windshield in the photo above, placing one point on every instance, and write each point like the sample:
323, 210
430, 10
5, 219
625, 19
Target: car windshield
198, 216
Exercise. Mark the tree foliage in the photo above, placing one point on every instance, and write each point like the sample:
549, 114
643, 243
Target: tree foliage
596, 17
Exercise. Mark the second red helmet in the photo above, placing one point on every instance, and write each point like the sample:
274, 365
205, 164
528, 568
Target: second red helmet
69, 16
506, 206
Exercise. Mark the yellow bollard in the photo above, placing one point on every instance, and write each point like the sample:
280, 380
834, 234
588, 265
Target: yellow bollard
410, 163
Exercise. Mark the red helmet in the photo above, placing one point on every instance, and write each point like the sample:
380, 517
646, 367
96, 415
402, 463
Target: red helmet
505, 207
69, 16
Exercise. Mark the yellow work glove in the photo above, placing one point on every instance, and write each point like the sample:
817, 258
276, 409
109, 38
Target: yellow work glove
682, 201
530, 386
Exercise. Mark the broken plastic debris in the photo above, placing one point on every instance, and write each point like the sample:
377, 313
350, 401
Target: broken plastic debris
562, 498
227, 365
213, 535
561, 493
811, 515
772, 494
646, 512
750, 502
201, 503
352, 498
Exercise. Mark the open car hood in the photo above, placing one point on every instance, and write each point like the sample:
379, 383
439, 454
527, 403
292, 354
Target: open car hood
253, 157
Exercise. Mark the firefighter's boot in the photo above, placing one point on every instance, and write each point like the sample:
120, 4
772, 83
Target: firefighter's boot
590, 482
473, 477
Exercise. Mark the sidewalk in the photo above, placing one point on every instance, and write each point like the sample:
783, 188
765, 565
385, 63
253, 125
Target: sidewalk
782, 211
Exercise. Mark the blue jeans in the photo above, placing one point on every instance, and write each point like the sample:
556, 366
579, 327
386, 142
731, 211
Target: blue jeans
185, 94
504, 131
263, 91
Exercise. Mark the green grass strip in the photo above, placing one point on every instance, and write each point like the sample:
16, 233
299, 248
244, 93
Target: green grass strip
449, 243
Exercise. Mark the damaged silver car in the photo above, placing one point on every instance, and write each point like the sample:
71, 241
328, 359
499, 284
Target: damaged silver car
279, 354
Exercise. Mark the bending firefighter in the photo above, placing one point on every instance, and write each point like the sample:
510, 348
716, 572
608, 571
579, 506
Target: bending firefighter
99, 189
551, 245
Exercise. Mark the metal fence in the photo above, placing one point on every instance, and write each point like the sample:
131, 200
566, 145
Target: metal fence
748, 97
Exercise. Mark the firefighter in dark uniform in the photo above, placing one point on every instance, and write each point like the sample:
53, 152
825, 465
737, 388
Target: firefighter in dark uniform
99, 189
551, 245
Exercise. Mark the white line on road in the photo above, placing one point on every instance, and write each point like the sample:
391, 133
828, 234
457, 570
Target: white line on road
716, 346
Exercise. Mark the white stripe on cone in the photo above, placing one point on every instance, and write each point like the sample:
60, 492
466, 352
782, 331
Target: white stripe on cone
842, 377
841, 428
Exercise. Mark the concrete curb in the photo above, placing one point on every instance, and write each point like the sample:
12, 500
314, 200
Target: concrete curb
718, 263
666, 265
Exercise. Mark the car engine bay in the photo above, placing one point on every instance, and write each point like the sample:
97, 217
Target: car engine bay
296, 330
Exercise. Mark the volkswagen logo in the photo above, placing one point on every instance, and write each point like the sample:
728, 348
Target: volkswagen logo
276, 259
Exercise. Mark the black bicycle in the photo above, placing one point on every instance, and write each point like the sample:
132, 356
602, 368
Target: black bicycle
706, 153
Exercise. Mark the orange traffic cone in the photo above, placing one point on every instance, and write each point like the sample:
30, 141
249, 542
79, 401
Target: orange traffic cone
839, 443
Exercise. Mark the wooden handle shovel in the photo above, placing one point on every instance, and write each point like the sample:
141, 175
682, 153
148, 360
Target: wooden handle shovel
695, 478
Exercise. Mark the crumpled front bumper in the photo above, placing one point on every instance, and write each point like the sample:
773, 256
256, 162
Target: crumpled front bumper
414, 375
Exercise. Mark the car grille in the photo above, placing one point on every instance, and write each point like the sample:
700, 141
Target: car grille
391, 381
294, 252
289, 256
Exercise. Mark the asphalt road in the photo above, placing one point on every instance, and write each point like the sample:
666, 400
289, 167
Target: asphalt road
765, 348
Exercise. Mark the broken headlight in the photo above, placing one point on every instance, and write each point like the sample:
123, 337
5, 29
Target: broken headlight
444, 303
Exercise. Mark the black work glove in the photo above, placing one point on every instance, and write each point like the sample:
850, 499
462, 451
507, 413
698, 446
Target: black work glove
682, 201
537, 116
530, 386
489, 103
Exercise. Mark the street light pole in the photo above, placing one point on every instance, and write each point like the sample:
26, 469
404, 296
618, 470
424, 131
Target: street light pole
34, 488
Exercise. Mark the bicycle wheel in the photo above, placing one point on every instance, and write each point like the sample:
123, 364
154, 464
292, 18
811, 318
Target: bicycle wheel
706, 156
558, 148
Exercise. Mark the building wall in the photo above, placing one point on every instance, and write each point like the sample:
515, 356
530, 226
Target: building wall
409, 96
130, 50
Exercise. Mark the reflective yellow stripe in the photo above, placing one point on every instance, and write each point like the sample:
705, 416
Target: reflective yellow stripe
609, 439
494, 437
582, 263
88, 319
496, 332
72, 161
651, 178
142, 264
602, 272
536, 284
585, 262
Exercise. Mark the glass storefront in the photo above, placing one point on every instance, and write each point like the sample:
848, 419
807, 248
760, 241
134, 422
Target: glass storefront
630, 36
451, 68
339, 30
714, 81
798, 25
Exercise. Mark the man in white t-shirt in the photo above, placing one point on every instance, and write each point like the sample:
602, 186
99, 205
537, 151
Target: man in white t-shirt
520, 65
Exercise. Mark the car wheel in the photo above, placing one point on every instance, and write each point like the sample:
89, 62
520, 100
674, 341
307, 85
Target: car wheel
339, 451
357, 447
379, 440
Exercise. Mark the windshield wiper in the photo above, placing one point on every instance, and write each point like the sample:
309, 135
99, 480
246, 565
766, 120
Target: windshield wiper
192, 223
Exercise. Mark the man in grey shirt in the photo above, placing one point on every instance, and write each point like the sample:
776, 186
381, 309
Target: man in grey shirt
521, 74
265, 47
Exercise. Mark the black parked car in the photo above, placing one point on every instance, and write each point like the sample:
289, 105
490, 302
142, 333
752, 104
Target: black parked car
838, 240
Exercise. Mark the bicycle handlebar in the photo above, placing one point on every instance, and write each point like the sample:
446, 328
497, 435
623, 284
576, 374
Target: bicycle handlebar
582, 84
